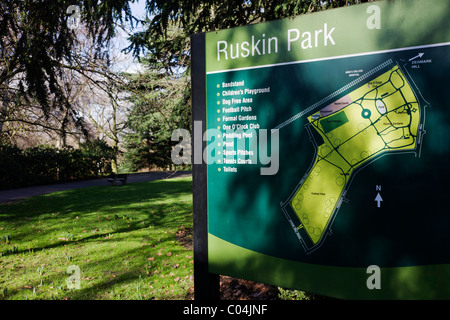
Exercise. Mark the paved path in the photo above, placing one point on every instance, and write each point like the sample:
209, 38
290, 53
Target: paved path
17, 194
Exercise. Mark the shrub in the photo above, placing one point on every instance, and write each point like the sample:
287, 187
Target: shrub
47, 164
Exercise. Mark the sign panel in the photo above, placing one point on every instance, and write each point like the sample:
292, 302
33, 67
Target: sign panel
327, 151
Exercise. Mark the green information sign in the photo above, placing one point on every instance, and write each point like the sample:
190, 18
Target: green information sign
327, 147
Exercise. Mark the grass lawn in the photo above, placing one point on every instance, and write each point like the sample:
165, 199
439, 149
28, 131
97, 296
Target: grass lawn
127, 242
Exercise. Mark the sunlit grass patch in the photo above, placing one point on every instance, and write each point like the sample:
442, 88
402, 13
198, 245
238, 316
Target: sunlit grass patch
123, 240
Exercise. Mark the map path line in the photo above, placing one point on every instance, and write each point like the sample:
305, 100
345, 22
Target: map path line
333, 95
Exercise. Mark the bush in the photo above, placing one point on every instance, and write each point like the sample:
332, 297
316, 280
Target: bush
12, 160
47, 164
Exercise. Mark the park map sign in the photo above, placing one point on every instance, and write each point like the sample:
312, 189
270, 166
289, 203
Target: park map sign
327, 147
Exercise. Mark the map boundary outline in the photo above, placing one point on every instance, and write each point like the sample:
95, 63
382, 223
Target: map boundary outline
422, 103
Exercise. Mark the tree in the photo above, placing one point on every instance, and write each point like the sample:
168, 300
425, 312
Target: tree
165, 41
83, 78
36, 42
158, 108
106, 108
25, 123
45, 67
195, 16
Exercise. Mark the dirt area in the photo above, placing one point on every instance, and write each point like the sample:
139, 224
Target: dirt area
231, 288
238, 289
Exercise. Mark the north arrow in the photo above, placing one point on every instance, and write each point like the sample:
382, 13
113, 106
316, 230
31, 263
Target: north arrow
418, 56
378, 199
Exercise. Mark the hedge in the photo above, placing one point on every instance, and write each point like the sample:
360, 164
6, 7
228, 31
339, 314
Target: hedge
47, 164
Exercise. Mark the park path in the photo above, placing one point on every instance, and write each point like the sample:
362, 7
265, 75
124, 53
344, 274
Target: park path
21, 193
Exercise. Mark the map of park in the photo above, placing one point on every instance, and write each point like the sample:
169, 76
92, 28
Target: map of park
382, 115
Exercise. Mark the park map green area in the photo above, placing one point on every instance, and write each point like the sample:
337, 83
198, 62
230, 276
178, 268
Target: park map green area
382, 115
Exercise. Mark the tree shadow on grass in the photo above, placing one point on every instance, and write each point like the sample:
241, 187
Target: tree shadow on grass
115, 212
138, 206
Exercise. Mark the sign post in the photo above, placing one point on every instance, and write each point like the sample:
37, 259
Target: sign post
206, 284
296, 122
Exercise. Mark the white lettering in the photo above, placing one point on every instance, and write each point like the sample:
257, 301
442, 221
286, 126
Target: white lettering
328, 36
244, 47
292, 39
274, 39
255, 46
306, 43
224, 50
316, 41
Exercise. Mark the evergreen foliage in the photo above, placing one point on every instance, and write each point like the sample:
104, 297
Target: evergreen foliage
37, 45
160, 105
165, 41
46, 164
36, 41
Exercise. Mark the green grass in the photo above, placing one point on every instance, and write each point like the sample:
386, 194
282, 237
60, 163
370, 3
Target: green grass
124, 240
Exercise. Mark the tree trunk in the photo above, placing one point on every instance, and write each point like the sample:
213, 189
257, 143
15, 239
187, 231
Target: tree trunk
114, 165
